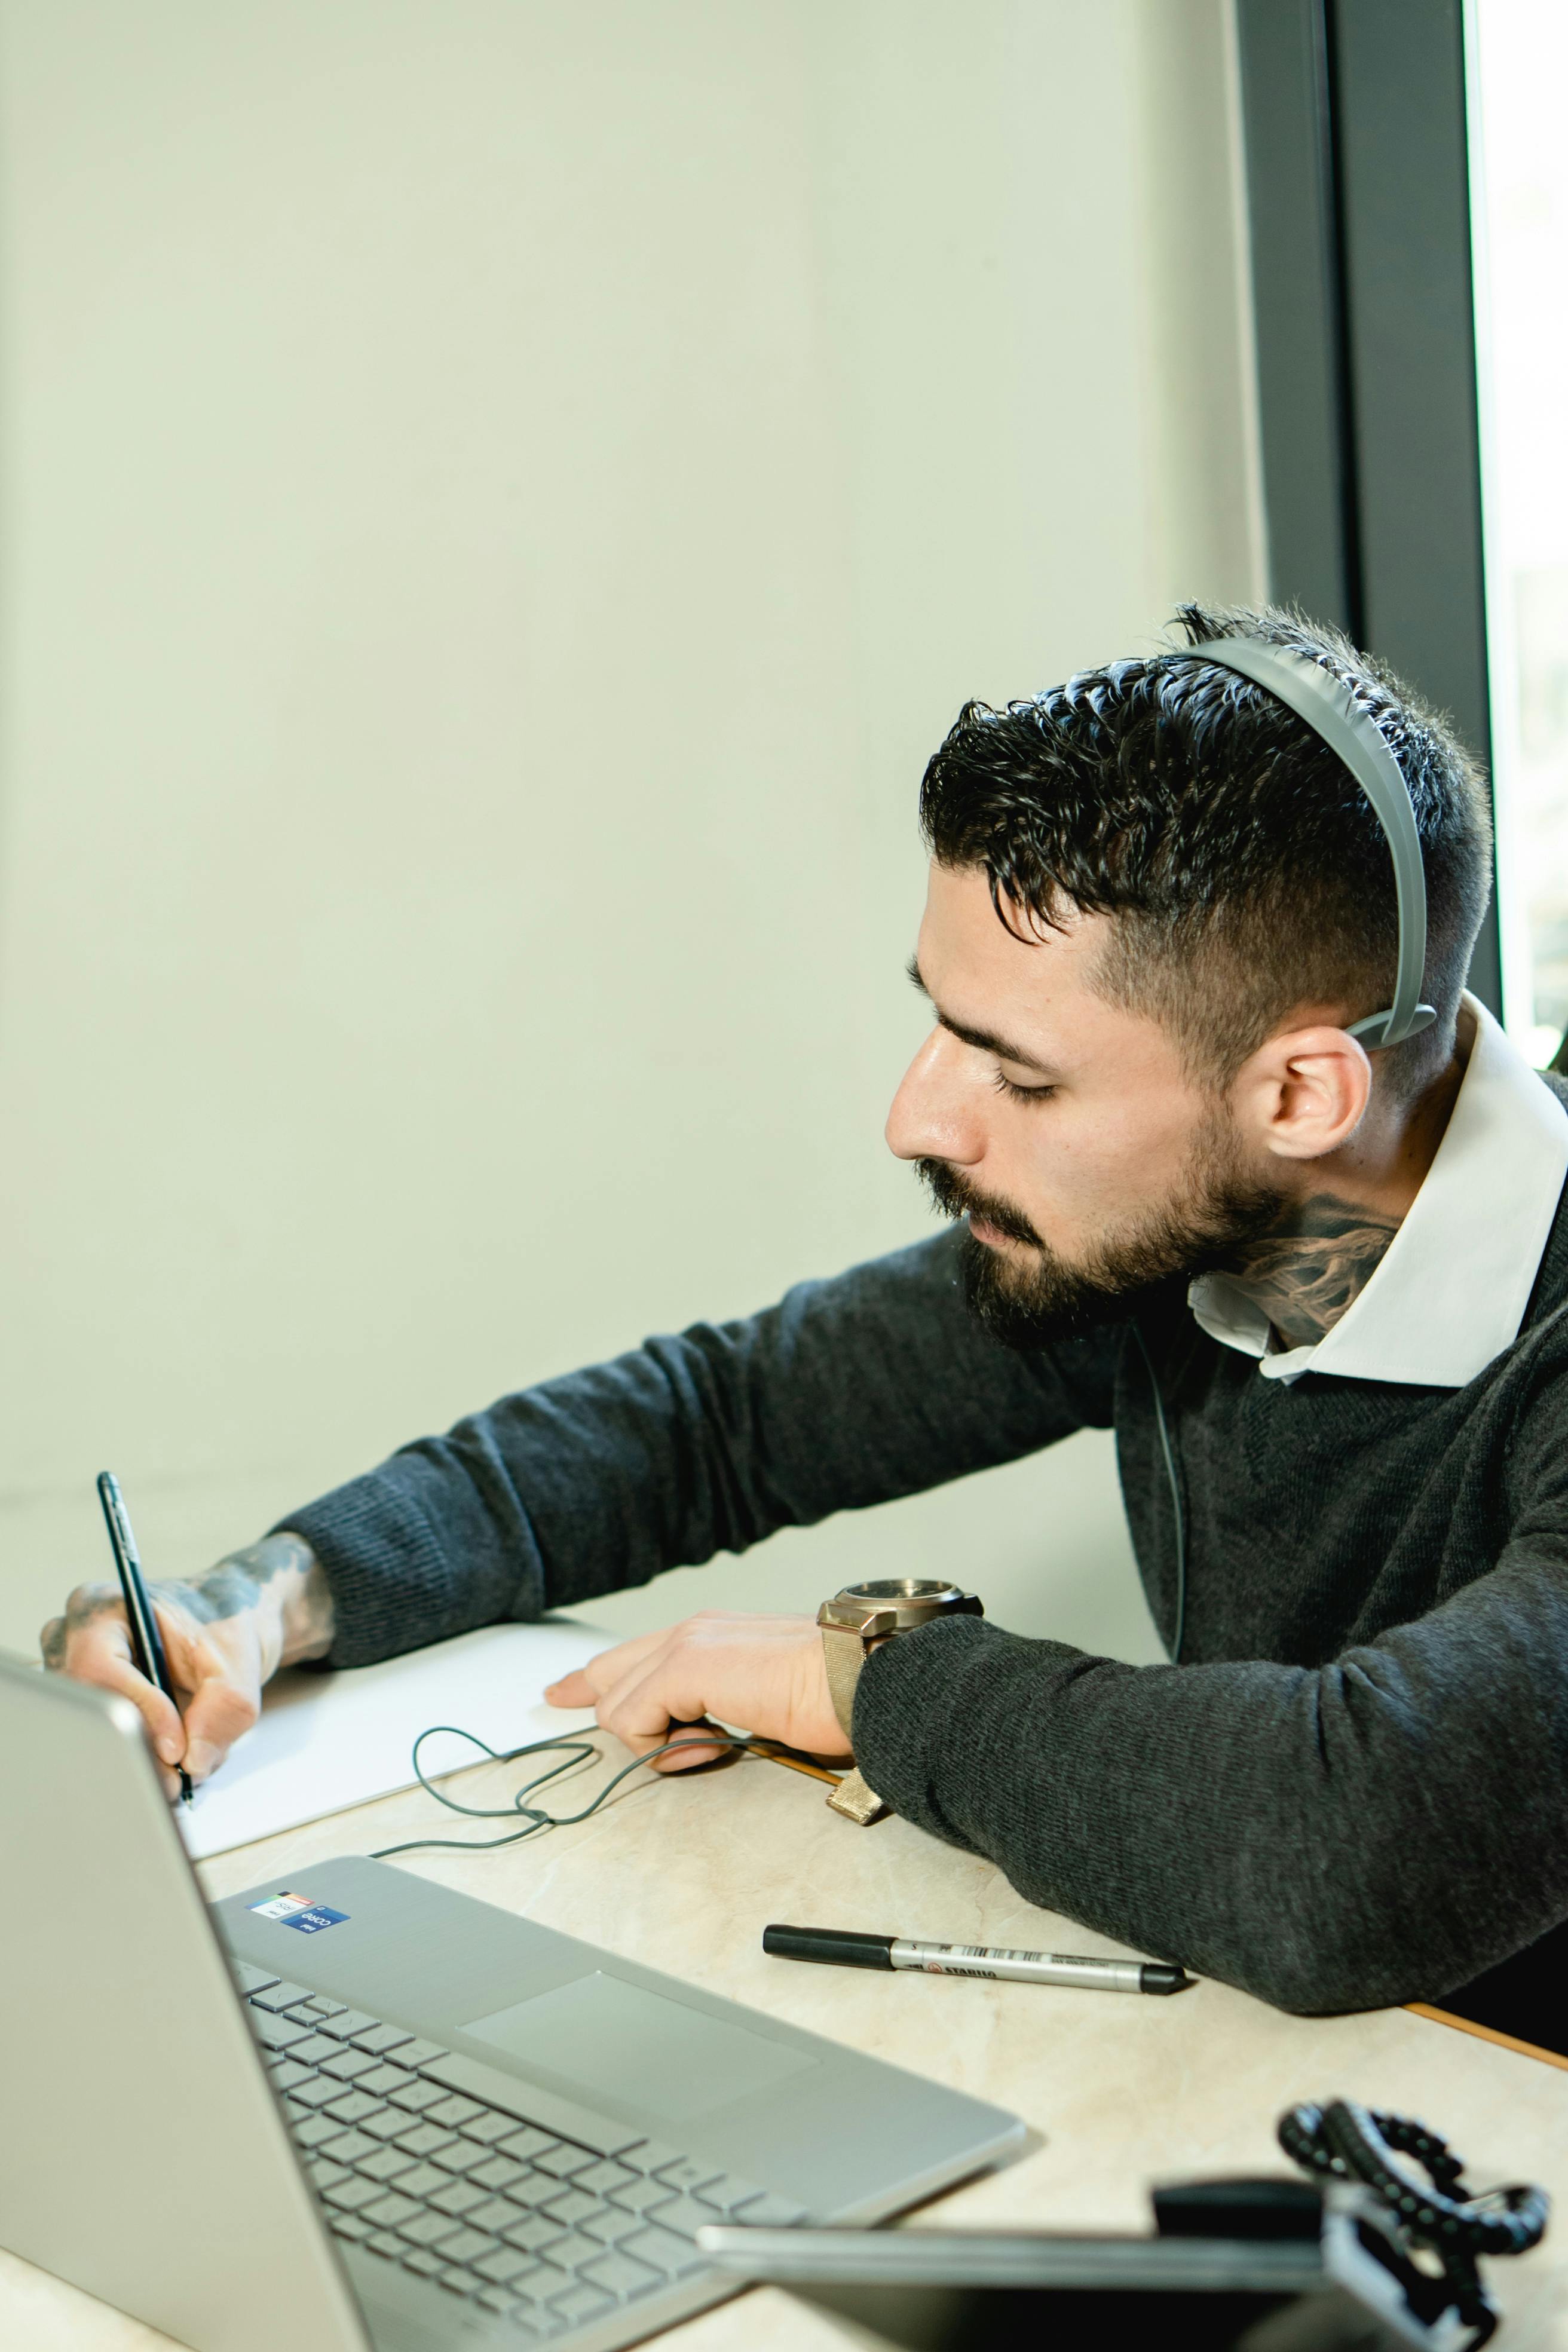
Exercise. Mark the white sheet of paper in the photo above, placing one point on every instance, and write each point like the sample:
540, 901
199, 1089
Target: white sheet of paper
326, 1741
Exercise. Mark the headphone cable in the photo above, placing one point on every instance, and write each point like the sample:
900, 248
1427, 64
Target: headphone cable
577, 1752
1178, 1512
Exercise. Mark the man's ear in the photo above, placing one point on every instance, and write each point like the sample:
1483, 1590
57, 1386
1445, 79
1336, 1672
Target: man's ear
1303, 1094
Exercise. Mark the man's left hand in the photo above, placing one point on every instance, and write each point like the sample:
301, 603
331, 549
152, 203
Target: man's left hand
765, 1673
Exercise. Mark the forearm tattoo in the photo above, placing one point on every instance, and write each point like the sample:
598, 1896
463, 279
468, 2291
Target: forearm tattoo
233, 1585
237, 1583
1311, 1268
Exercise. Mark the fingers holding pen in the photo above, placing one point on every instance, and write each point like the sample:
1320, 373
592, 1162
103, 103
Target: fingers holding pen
215, 1671
222, 1706
91, 1642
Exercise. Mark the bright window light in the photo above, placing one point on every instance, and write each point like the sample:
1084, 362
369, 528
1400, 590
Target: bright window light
1520, 73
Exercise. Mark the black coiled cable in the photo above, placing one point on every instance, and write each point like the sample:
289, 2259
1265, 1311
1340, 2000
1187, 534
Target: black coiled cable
1355, 2142
1359, 2144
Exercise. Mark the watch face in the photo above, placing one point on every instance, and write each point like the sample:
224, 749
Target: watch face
892, 1591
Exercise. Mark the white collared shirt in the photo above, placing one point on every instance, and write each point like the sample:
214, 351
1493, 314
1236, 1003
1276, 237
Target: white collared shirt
1450, 1291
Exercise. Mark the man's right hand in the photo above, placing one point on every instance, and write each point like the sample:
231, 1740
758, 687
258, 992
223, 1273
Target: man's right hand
225, 1634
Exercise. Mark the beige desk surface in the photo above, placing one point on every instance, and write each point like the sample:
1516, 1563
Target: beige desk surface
683, 1875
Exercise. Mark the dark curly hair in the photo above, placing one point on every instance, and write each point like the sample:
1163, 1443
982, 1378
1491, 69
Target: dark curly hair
1243, 868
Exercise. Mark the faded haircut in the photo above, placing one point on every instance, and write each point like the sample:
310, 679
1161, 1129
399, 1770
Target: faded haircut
1244, 870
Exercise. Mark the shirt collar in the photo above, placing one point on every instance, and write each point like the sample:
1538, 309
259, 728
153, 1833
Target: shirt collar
1450, 1291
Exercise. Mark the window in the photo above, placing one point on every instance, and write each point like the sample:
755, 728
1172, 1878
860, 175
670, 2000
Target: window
1519, 72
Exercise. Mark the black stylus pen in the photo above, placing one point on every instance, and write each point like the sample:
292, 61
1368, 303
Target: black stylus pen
146, 1641
846, 1950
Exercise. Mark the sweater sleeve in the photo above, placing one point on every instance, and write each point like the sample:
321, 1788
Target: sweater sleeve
850, 1391
1380, 1829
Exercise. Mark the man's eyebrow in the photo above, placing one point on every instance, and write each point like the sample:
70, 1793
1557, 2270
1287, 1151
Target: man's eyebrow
985, 1040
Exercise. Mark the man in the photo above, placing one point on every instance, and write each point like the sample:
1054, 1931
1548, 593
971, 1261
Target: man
1317, 1293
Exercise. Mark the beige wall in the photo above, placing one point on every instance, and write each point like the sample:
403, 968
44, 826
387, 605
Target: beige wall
500, 501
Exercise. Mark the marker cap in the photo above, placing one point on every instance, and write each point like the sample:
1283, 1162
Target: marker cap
835, 1945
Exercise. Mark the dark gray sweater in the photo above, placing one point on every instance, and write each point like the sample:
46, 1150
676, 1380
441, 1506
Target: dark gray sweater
1355, 1788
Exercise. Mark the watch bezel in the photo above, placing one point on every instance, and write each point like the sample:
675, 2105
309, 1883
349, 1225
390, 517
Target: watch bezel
873, 1613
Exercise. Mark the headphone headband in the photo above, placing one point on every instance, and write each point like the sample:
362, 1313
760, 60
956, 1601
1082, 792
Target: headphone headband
1333, 714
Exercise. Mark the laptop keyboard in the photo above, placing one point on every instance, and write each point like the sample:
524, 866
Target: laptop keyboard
540, 2229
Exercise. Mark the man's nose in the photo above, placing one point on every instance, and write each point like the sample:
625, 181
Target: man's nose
933, 1115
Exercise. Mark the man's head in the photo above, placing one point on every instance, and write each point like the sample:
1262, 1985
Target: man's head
1157, 899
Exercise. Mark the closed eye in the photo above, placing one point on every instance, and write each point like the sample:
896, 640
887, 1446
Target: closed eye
1004, 1086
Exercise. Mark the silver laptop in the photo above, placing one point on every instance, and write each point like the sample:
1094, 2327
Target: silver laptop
385, 2115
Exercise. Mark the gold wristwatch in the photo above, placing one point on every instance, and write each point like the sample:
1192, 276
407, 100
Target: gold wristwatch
855, 1622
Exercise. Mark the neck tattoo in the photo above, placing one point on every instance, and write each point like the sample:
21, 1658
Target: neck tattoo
1316, 1263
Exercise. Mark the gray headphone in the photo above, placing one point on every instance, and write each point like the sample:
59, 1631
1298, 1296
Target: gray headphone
1333, 712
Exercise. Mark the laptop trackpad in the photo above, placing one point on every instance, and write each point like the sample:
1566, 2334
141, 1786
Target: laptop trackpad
609, 2039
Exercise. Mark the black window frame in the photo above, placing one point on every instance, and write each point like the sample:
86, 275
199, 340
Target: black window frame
1357, 174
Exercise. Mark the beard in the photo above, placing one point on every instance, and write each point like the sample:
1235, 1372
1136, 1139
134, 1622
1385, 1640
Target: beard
1216, 1211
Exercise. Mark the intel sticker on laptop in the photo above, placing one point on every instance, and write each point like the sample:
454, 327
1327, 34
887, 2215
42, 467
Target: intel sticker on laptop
299, 1911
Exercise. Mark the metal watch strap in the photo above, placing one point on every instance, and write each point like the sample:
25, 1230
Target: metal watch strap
844, 1651
856, 1801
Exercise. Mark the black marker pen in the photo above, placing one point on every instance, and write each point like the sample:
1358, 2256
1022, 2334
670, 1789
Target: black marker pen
841, 1948
146, 1641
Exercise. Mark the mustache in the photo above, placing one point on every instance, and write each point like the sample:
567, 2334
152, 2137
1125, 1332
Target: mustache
955, 1196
